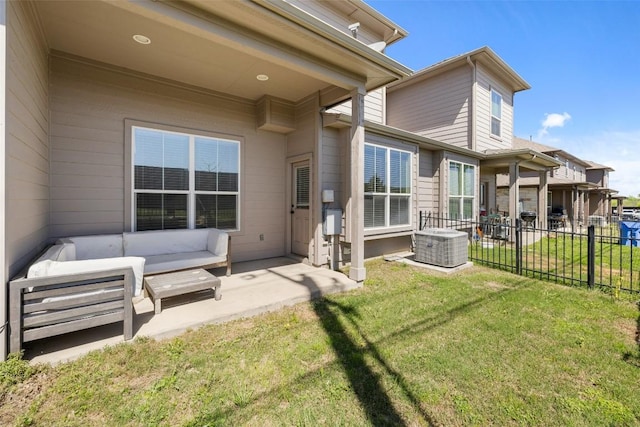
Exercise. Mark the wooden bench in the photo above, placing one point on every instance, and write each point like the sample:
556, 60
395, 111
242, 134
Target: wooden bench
42, 307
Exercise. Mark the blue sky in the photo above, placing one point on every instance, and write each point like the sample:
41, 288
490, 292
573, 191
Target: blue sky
581, 58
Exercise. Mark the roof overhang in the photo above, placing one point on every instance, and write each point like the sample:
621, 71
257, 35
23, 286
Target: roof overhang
344, 121
220, 46
485, 56
525, 159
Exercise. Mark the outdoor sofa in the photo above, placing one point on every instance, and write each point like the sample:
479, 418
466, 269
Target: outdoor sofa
86, 281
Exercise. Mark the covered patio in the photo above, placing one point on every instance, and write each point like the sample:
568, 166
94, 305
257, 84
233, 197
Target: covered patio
255, 287
224, 98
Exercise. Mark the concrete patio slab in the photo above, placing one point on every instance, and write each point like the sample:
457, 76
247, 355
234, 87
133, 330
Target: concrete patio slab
255, 287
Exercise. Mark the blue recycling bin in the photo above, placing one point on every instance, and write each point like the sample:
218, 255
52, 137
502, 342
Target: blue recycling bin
630, 233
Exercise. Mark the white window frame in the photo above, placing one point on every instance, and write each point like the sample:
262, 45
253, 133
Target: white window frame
462, 197
493, 117
191, 192
387, 194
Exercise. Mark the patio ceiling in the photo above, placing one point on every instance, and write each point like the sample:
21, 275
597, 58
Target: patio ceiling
220, 46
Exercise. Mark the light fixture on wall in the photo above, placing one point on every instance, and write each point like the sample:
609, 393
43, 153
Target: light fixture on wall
262, 77
354, 29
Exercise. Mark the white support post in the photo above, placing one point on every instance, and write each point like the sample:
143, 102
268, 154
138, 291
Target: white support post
357, 271
514, 190
542, 200
3, 132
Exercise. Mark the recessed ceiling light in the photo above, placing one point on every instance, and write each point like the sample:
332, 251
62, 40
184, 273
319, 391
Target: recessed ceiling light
142, 39
262, 77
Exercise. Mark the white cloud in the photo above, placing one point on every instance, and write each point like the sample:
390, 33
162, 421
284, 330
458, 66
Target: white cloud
553, 120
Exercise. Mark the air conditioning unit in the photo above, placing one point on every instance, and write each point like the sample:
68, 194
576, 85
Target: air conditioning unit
441, 246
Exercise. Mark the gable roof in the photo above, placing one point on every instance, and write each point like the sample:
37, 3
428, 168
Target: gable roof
597, 166
547, 149
484, 55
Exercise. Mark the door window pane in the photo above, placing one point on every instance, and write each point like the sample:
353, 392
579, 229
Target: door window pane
302, 187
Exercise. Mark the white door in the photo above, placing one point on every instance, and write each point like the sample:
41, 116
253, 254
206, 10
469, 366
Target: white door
300, 235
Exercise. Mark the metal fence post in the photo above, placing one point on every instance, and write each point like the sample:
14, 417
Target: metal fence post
591, 256
518, 246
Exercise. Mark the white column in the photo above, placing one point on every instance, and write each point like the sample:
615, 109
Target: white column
357, 271
3, 131
514, 190
543, 188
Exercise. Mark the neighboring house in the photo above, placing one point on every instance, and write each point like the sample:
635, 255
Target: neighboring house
122, 115
468, 101
601, 196
577, 187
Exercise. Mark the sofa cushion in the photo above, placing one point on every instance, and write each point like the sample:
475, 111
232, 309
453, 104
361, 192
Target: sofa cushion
96, 246
59, 252
57, 268
170, 262
148, 243
218, 242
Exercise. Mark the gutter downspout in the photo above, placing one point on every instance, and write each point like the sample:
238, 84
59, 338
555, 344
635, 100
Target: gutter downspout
472, 103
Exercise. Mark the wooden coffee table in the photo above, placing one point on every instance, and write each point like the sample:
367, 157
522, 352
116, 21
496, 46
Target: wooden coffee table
183, 282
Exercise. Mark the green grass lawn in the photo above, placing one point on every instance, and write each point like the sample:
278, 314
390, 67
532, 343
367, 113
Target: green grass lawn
412, 347
562, 257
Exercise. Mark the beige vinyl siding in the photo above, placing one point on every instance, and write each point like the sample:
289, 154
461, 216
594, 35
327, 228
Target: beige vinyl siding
391, 245
27, 141
374, 106
485, 141
437, 108
596, 176
89, 106
332, 177
427, 195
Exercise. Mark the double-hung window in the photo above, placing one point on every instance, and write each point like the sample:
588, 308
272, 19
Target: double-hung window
387, 187
183, 180
496, 113
461, 190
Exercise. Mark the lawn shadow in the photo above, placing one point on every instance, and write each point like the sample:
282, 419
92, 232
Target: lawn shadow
353, 348
364, 381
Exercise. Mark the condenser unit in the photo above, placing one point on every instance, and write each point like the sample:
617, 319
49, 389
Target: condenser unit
441, 246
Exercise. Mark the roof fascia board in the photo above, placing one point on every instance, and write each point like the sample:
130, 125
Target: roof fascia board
505, 71
501, 68
522, 154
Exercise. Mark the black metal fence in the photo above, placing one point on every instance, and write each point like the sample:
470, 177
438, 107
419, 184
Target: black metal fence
605, 256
